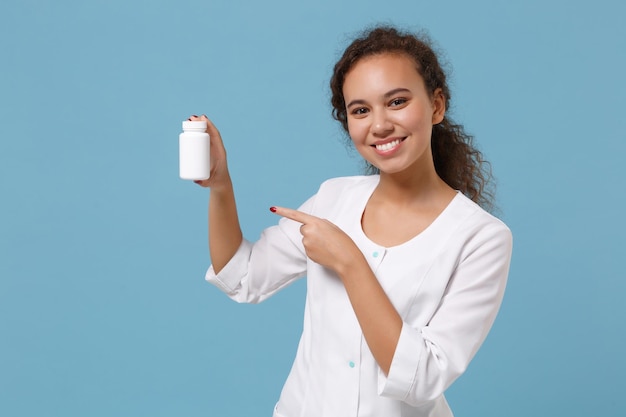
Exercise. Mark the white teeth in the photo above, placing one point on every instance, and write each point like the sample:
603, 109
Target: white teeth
388, 146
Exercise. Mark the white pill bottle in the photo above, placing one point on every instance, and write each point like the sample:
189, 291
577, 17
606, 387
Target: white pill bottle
194, 151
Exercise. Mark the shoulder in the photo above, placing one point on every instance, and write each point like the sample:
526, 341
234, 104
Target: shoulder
351, 185
478, 224
339, 197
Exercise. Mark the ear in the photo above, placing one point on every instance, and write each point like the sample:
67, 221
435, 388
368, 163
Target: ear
439, 106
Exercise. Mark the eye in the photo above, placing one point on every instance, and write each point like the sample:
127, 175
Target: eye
359, 111
396, 102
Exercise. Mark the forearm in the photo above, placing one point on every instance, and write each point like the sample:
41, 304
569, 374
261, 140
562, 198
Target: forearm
329, 246
380, 322
224, 231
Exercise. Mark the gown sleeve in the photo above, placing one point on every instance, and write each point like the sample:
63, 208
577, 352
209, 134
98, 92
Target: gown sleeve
260, 269
428, 359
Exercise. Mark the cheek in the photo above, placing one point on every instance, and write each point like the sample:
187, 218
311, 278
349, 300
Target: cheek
356, 130
413, 120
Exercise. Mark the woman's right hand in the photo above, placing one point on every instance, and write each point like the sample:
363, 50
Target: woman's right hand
224, 231
219, 170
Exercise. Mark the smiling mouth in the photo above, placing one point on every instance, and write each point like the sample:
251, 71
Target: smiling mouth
385, 147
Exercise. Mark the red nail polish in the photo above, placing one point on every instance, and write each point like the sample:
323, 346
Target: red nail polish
273, 209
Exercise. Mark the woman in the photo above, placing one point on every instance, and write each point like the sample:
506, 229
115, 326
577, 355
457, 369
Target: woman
405, 271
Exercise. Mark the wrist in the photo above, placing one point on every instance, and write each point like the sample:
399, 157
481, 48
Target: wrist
223, 186
353, 265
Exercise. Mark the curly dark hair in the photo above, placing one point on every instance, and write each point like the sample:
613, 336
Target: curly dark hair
456, 159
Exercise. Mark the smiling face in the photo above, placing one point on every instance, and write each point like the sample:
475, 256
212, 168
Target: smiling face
390, 113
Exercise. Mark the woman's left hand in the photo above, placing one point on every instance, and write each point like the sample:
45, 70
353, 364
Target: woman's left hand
329, 246
324, 242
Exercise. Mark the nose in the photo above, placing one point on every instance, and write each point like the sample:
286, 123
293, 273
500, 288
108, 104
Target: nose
381, 125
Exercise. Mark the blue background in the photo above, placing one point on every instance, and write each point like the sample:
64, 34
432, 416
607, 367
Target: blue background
103, 307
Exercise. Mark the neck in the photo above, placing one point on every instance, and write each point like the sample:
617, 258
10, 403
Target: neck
413, 186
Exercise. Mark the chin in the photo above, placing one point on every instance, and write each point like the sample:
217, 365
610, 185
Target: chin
398, 168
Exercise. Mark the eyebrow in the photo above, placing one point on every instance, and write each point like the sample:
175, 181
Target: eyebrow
386, 95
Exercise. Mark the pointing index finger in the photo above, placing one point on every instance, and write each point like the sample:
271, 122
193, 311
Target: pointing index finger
294, 215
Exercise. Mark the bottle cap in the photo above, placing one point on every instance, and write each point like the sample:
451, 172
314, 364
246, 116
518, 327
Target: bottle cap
197, 126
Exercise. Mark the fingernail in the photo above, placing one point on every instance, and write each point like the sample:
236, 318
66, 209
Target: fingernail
273, 209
